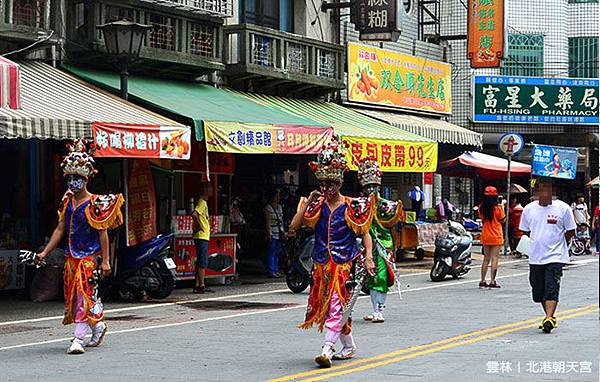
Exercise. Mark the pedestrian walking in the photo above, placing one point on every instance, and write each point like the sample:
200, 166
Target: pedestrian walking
492, 237
550, 225
581, 212
201, 240
384, 236
514, 233
274, 231
596, 227
337, 221
83, 219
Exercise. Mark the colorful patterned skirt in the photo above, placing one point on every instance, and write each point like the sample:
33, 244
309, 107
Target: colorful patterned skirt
328, 278
82, 303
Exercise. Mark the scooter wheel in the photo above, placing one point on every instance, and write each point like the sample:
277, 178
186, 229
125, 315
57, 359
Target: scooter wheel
420, 253
296, 281
438, 271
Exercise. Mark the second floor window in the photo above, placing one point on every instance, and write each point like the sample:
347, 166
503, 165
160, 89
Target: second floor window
113, 13
162, 34
275, 14
28, 12
525, 55
202, 40
583, 57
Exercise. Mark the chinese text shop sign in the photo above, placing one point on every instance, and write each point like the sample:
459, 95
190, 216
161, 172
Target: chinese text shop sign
486, 32
141, 141
393, 156
501, 99
264, 139
376, 20
386, 78
555, 162
141, 203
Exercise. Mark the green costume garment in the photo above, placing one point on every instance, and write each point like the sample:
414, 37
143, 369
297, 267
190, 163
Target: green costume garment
387, 214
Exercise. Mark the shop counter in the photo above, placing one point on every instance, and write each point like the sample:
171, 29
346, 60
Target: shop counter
222, 252
420, 236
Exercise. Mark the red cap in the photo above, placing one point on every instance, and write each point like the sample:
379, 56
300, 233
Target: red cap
490, 191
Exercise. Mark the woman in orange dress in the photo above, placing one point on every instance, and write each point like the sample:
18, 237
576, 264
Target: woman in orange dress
492, 237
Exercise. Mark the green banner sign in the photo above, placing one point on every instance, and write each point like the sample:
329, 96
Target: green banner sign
502, 99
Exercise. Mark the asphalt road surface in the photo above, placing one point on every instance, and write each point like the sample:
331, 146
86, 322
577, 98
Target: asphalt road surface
449, 331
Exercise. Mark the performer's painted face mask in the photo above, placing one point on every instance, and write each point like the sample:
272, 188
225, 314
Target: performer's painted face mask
371, 189
75, 183
330, 188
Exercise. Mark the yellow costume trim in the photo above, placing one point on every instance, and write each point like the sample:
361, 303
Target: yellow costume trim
113, 220
399, 215
359, 228
307, 219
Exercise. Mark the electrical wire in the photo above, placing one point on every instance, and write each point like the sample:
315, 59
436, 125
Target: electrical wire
38, 42
317, 17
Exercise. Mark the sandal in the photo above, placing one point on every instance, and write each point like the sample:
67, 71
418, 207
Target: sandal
483, 284
494, 285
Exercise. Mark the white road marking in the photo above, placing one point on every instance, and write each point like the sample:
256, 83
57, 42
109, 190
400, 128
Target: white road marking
473, 267
441, 285
150, 306
167, 304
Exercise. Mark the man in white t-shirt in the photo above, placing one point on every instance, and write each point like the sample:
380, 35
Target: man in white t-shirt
550, 225
581, 213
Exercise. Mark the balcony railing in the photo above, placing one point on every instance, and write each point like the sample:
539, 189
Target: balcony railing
223, 8
266, 52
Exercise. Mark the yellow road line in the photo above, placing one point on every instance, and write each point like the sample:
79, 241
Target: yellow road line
436, 349
425, 346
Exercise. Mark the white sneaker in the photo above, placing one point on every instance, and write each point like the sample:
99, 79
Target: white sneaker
98, 333
76, 347
324, 359
347, 352
378, 319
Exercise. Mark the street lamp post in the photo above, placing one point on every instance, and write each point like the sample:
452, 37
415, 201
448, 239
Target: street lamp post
123, 41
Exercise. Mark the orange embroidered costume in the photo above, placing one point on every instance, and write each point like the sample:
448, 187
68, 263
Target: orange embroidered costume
336, 233
82, 223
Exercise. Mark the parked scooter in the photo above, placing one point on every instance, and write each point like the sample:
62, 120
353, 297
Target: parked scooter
143, 268
452, 253
298, 264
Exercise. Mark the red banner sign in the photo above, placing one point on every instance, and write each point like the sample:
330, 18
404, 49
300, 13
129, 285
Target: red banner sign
141, 141
141, 204
485, 26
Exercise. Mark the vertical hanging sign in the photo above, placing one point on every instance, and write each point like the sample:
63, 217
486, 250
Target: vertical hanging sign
486, 32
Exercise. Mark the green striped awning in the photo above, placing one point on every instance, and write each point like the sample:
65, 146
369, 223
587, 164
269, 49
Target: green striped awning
202, 104
345, 121
56, 105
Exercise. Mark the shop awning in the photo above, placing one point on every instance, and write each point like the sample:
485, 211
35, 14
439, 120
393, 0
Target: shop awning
432, 128
203, 104
55, 105
594, 183
472, 164
396, 150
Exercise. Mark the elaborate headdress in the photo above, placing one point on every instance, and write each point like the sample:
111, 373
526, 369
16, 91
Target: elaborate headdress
369, 172
79, 160
331, 162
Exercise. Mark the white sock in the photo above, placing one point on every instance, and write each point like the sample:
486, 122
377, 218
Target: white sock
347, 341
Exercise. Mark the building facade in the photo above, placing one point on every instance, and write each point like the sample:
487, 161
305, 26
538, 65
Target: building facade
556, 39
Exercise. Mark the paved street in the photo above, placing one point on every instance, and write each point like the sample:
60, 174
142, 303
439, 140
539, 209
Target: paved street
450, 330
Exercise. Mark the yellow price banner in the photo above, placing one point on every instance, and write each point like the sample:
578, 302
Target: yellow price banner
393, 156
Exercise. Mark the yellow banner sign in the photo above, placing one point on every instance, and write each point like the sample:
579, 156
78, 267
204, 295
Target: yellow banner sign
393, 156
387, 78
